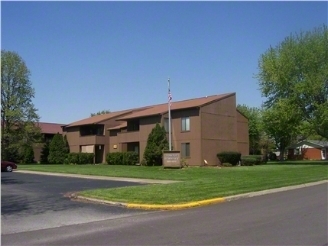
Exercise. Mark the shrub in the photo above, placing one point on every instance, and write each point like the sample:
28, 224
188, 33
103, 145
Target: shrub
57, 150
44, 153
122, 158
229, 157
250, 160
130, 158
115, 158
156, 143
85, 158
28, 155
73, 158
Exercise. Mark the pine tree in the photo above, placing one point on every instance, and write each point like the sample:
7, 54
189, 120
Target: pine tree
44, 153
57, 150
156, 143
28, 156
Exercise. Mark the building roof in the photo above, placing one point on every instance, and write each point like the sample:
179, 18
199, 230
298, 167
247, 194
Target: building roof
98, 118
314, 143
122, 125
50, 128
149, 110
163, 108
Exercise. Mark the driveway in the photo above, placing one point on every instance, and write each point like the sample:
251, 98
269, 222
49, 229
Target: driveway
33, 202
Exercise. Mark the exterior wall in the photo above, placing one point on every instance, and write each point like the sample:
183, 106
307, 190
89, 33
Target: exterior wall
75, 140
307, 153
242, 134
218, 129
193, 136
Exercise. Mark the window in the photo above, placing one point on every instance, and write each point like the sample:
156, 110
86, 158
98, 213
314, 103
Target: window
92, 130
133, 125
297, 151
185, 124
185, 150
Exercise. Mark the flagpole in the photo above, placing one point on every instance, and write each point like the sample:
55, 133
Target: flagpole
169, 109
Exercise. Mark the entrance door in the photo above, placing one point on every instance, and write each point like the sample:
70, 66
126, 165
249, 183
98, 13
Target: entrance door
99, 153
323, 154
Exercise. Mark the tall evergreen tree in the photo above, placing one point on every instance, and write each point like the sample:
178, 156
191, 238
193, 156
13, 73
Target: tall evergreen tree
28, 157
156, 143
57, 150
44, 153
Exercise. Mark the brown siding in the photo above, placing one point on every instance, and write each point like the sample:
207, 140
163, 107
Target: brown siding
218, 128
242, 134
192, 136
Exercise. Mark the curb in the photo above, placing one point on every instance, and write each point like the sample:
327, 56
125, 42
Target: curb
197, 203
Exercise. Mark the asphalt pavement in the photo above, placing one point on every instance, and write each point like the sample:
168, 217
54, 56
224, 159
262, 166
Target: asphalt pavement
34, 202
294, 217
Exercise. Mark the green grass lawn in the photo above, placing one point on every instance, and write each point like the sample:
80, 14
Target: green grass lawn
199, 182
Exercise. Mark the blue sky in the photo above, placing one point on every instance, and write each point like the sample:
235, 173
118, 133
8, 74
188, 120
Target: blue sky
88, 56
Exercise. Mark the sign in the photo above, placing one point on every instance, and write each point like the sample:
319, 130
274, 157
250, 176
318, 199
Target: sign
171, 159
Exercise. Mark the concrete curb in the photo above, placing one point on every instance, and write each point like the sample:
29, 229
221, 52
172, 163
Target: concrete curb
135, 180
198, 203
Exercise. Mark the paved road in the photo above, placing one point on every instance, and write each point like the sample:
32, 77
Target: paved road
296, 217
34, 202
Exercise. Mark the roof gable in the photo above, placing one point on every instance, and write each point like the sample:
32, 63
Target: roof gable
312, 143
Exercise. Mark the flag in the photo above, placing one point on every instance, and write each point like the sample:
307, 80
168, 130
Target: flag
170, 96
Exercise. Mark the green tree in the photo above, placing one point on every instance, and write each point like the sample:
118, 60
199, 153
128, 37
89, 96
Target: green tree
57, 150
297, 70
28, 154
106, 111
281, 123
156, 143
18, 114
67, 150
44, 153
254, 126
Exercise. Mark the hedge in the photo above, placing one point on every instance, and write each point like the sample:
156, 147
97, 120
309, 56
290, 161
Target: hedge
229, 157
250, 160
80, 158
122, 158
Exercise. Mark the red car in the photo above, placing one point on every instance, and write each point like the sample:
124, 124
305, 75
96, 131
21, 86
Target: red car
8, 166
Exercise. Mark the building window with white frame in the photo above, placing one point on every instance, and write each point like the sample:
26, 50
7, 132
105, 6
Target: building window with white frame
185, 150
185, 124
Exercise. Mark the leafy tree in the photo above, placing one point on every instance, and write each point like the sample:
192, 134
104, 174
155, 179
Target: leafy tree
28, 154
156, 143
254, 126
57, 150
18, 114
100, 112
44, 153
297, 70
281, 123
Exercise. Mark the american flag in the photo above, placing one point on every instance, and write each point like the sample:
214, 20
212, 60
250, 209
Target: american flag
170, 96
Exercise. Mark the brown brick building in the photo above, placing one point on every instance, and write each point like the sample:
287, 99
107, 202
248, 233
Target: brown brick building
200, 128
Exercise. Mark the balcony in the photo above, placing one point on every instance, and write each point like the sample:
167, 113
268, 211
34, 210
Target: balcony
128, 137
92, 140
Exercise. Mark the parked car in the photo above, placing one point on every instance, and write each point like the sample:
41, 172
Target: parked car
8, 166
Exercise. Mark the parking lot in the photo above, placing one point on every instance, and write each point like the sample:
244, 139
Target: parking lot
32, 202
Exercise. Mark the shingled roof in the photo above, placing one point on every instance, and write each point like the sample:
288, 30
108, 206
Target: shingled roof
149, 110
163, 108
50, 128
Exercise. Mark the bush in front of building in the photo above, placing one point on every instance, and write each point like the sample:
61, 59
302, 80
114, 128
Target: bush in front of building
250, 160
80, 158
28, 155
122, 158
57, 150
156, 143
231, 157
44, 153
